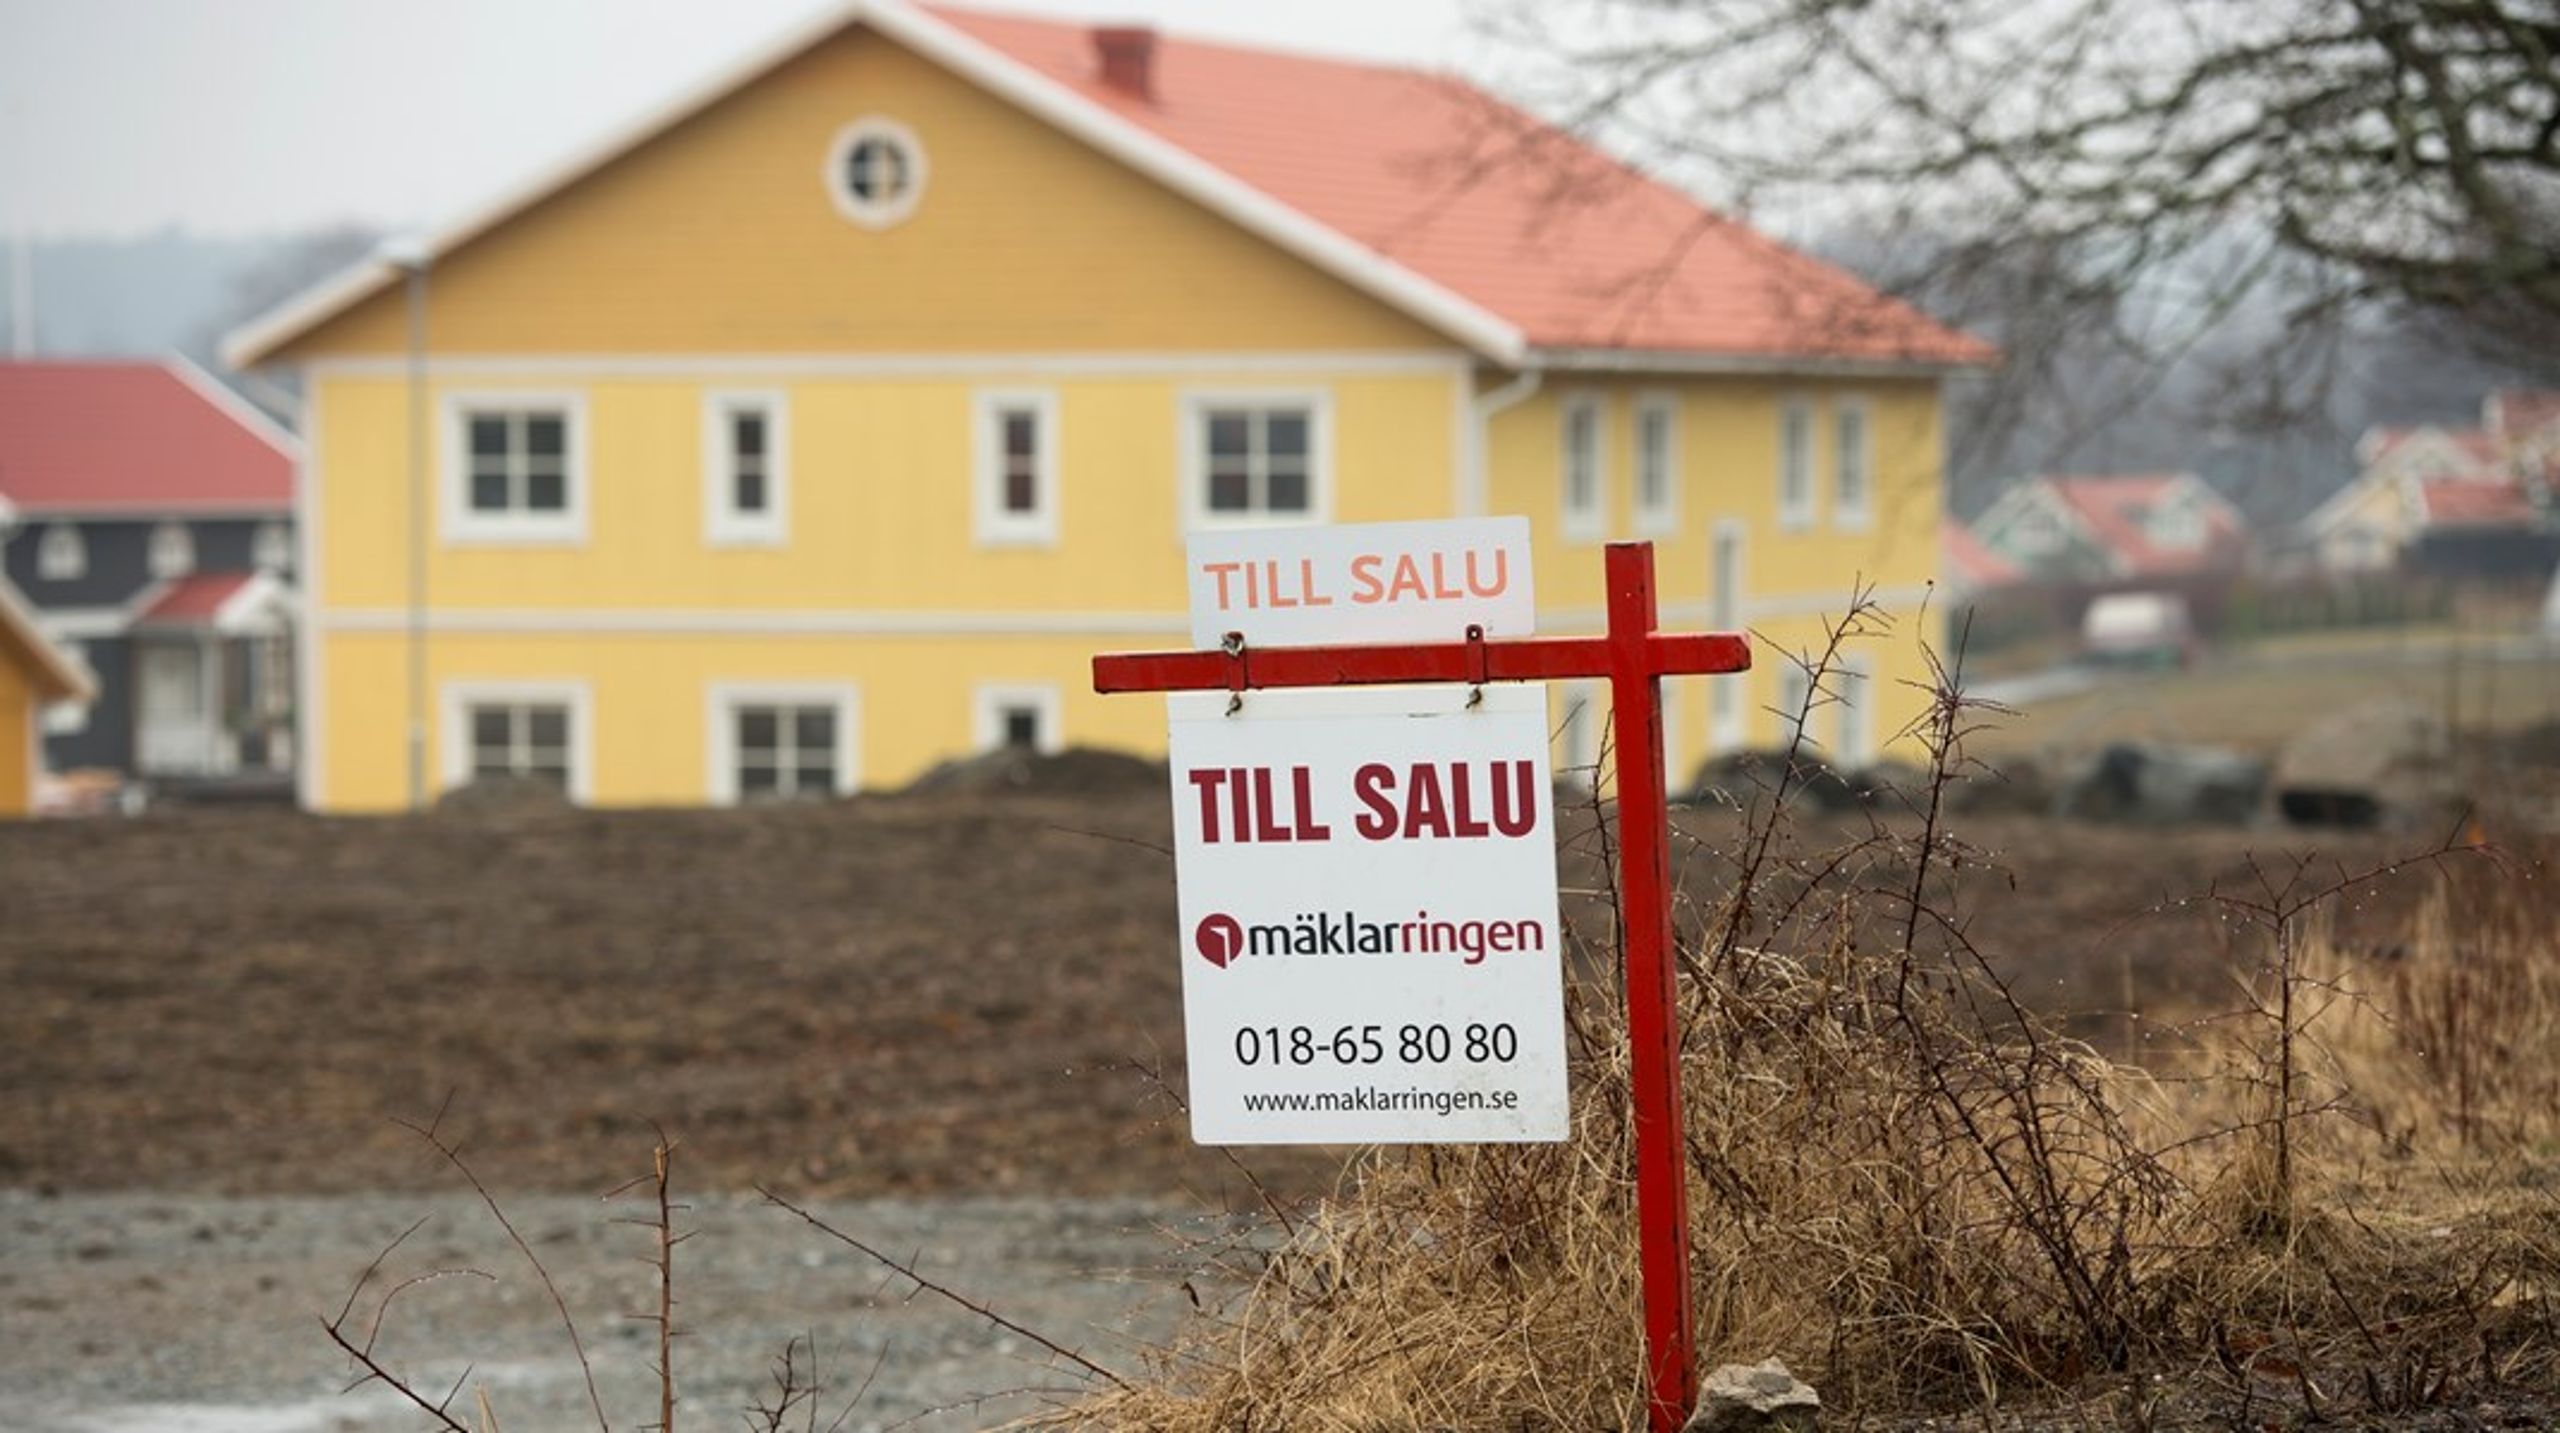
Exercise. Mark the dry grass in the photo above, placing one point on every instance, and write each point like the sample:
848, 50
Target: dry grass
1910, 1188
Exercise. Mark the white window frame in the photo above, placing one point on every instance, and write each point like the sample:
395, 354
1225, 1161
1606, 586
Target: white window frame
171, 553
1860, 515
987, 708
1661, 516
1796, 468
1193, 467
722, 700
455, 699
1853, 724
62, 552
875, 213
997, 526
1795, 688
271, 547
1578, 738
464, 527
1728, 711
1586, 521
723, 525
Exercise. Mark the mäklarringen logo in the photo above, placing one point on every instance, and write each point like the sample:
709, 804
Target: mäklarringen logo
1223, 940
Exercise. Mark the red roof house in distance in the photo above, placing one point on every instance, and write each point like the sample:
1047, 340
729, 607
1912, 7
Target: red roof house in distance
140, 489
2127, 529
2455, 502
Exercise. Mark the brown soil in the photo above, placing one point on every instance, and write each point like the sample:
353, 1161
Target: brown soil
912, 994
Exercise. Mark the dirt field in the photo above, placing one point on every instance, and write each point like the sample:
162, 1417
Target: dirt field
899, 995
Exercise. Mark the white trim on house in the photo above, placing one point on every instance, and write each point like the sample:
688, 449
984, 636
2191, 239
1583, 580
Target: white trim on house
464, 527
238, 409
994, 524
875, 214
771, 622
1475, 431
71, 677
1845, 515
1587, 521
1192, 408
989, 701
1727, 714
993, 364
88, 624
455, 697
1799, 477
1660, 518
1045, 99
1691, 361
723, 525
720, 703
1853, 721
1700, 612
271, 545
309, 730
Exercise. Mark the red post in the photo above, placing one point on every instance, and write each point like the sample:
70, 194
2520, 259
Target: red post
1635, 658
1653, 1027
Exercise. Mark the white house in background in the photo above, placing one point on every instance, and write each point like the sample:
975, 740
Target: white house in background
2460, 501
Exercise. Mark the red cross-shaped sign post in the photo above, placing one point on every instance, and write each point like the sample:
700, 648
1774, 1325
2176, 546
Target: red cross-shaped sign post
1635, 657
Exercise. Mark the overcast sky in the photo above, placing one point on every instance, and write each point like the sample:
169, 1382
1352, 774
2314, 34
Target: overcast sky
241, 117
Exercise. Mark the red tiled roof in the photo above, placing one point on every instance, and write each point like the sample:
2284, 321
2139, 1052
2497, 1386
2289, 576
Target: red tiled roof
2465, 502
1975, 565
2515, 413
1573, 248
139, 437
2480, 448
2112, 509
194, 600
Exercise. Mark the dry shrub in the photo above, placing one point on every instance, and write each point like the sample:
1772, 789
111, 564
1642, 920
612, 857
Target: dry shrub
1913, 1190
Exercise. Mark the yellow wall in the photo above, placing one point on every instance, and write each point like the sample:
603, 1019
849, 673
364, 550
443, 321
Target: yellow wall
880, 493
712, 258
719, 236
17, 739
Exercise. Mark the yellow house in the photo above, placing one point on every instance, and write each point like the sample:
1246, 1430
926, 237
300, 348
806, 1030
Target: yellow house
825, 424
34, 674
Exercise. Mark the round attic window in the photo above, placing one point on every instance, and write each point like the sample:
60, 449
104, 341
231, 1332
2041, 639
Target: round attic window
875, 172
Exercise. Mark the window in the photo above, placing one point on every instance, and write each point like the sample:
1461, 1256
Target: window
1795, 688
62, 554
1658, 464
875, 172
745, 468
1017, 466
1853, 719
1795, 464
794, 742
517, 468
1585, 504
1018, 718
1724, 614
535, 730
1578, 734
172, 551
271, 547
1256, 458
1852, 466
2178, 524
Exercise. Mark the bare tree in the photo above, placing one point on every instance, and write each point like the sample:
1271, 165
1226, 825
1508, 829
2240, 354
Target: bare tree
2229, 196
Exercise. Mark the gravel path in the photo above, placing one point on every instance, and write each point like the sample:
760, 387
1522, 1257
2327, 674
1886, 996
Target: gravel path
121, 1313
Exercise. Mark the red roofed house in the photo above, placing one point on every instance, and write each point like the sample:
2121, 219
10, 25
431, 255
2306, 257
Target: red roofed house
2449, 502
2125, 530
822, 424
147, 515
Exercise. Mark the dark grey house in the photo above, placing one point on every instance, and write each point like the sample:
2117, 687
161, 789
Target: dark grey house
146, 514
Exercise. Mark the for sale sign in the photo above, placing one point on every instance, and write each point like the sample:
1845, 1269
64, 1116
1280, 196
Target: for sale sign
1367, 878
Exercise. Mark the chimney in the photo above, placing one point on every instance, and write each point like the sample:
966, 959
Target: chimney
1127, 54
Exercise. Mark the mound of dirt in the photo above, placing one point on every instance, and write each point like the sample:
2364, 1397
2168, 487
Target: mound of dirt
1077, 771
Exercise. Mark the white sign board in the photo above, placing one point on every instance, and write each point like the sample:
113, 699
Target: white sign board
1370, 582
1368, 891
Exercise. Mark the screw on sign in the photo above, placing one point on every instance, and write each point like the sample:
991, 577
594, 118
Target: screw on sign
1634, 657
